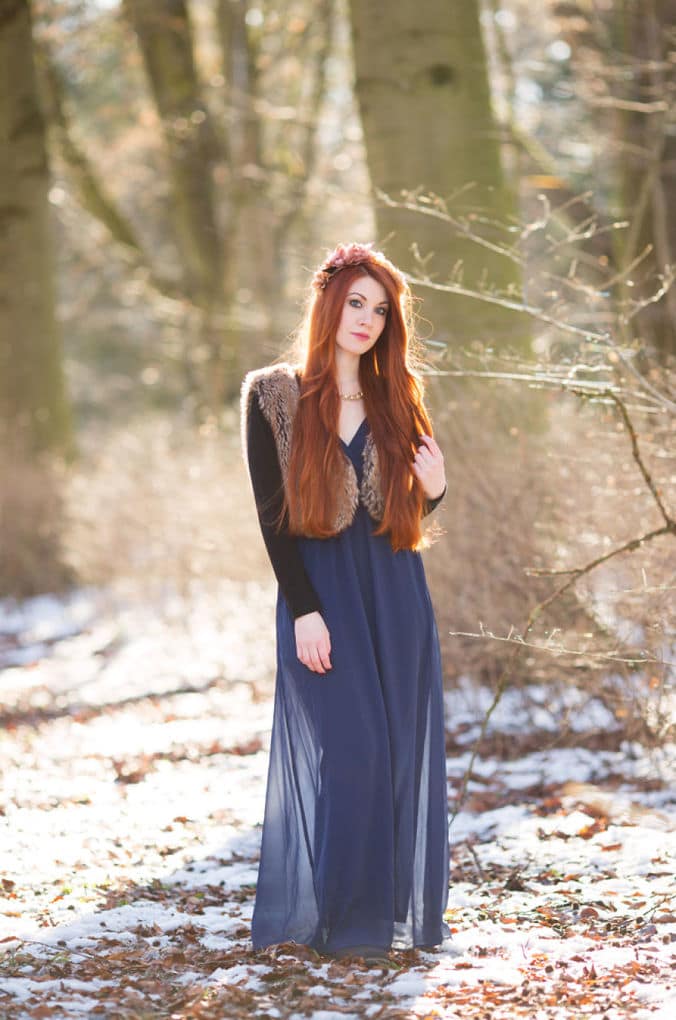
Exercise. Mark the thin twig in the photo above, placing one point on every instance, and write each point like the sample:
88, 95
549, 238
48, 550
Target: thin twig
560, 649
477, 863
669, 521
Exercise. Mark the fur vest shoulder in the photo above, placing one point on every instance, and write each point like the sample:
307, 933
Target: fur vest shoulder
278, 389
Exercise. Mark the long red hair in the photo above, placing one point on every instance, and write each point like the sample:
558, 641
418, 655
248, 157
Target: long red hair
389, 376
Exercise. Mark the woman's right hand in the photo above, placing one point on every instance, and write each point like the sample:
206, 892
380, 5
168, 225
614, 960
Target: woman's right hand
313, 642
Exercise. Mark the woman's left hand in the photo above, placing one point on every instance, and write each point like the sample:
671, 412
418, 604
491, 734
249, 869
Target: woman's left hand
428, 465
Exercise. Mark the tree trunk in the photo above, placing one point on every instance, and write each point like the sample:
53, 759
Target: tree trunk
33, 404
264, 206
423, 90
645, 32
251, 271
165, 38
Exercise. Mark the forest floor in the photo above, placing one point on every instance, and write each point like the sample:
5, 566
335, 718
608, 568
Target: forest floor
133, 756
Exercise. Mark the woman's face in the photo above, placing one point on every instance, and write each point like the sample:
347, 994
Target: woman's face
363, 317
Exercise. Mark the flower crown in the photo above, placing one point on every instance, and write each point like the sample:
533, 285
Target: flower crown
343, 255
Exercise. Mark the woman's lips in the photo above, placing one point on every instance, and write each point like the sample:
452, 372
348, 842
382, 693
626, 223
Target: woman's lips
362, 336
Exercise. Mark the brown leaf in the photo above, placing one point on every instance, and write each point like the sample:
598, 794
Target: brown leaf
247, 747
598, 825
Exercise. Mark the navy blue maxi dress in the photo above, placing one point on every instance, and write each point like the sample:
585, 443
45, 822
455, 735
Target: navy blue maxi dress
355, 833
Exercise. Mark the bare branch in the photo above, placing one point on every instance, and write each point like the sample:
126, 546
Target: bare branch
631, 105
669, 521
558, 649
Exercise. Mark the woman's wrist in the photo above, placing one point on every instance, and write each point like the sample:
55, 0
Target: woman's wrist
439, 494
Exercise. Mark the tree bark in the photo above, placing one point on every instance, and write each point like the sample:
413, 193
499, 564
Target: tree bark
33, 404
251, 270
423, 90
644, 33
164, 34
263, 212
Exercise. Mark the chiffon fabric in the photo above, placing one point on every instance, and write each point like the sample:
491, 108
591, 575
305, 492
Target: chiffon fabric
355, 833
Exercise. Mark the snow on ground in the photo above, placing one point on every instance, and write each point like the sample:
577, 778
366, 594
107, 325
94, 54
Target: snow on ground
133, 763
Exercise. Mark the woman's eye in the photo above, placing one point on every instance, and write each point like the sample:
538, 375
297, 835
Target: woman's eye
356, 303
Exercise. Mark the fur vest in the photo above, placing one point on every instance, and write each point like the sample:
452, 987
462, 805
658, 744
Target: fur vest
278, 389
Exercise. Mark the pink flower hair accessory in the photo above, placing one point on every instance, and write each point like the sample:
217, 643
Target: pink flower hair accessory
343, 255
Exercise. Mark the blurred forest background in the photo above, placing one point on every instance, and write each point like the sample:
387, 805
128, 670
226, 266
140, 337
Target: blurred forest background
172, 171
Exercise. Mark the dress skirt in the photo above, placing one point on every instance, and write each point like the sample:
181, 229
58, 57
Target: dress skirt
355, 832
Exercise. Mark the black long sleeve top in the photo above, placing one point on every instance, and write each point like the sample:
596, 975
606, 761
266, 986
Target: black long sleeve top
268, 487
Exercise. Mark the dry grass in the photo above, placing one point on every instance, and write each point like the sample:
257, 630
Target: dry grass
162, 504
557, 500
32, 523
163, 507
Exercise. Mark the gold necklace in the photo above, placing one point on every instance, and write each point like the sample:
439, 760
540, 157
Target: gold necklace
352, 396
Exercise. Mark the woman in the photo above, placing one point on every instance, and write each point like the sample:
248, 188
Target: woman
354, 855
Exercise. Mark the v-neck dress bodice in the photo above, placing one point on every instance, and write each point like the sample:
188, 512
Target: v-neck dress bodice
356, 435
355, 833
